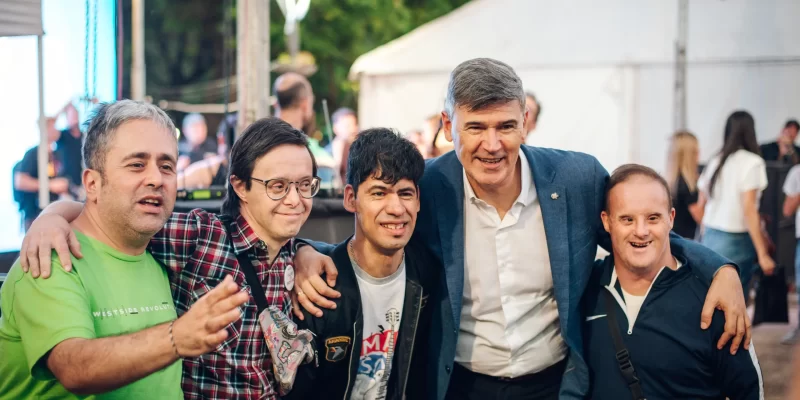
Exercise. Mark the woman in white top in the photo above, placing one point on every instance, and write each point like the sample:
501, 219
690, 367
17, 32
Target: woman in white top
730, 190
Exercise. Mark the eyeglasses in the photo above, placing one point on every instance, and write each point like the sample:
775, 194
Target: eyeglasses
278, 188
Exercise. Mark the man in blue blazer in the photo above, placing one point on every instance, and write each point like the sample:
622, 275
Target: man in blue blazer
517, 229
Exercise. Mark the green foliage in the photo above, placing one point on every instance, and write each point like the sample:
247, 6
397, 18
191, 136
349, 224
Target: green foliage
183, 46
184, 42
336, 32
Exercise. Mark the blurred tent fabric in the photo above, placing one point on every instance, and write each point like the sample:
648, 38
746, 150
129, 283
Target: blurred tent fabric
20, 17
604, 71
24, 18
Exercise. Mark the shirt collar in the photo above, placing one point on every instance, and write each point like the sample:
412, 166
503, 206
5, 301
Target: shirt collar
614, 273
243, 235
526, 196
244, 238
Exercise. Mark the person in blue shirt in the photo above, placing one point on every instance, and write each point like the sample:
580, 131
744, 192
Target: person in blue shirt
642, 305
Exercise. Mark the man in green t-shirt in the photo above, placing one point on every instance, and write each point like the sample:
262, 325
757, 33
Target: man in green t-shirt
108, 327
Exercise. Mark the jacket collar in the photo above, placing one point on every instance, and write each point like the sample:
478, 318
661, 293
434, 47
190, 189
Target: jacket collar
665, 276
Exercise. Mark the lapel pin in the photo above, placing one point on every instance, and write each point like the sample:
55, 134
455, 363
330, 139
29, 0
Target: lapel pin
554, 196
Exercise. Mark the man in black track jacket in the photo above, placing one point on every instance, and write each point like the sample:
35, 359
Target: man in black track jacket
642, 305
374, 344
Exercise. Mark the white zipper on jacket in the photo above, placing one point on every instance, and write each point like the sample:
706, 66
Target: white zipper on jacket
622, 303
349, 369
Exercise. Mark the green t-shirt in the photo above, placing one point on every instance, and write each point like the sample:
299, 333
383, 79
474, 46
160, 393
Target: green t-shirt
107, 293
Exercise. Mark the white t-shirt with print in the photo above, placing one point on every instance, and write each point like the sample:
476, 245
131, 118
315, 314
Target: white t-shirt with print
743, 171
791, 187
382, 307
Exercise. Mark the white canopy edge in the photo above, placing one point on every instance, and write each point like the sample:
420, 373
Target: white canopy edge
20, 17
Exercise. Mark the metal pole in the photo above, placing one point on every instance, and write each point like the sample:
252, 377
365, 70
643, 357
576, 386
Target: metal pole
253, 61
137, 50
43, 153
679, 121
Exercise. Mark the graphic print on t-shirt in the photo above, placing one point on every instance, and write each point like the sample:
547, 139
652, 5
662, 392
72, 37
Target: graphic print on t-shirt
382, 305
376, 359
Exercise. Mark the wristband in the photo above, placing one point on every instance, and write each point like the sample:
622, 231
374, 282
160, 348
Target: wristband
172, 339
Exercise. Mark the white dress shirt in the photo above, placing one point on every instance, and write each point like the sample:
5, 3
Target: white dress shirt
509, 319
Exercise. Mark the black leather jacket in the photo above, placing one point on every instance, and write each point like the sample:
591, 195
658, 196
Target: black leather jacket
339, 333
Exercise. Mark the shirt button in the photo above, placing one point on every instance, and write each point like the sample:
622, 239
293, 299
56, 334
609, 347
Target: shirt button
447, 369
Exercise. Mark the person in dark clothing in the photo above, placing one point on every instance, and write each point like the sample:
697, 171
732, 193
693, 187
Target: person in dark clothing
68, 146
345, 129
373, 345
685, 198
26, 177
197, 146
226, 132
682, 175
784, 149
642, 303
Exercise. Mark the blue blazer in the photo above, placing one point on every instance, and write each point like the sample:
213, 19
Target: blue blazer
573, 229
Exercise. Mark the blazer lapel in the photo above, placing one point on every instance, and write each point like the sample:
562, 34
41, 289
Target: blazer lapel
553, 201
450, 213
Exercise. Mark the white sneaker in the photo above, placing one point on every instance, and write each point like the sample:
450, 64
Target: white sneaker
792, 337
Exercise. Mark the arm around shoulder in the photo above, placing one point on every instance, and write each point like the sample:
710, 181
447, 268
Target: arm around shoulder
705, 261
320, 247
600, 181
739, 375
67, 209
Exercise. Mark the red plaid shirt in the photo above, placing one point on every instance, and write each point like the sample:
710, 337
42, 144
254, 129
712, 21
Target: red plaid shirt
196, 249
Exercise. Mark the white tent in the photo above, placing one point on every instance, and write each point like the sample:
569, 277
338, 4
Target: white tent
20, 17
24, 18
604, 71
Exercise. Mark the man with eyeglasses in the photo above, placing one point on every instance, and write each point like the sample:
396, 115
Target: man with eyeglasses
270, 188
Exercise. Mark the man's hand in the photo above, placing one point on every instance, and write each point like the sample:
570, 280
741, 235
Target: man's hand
93, 366
726, 294
48, 232
766, 263
183, 162
202, 328
309, 288
59, 185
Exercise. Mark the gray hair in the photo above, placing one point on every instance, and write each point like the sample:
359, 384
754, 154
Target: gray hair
105, 120
482, 82
193, 118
